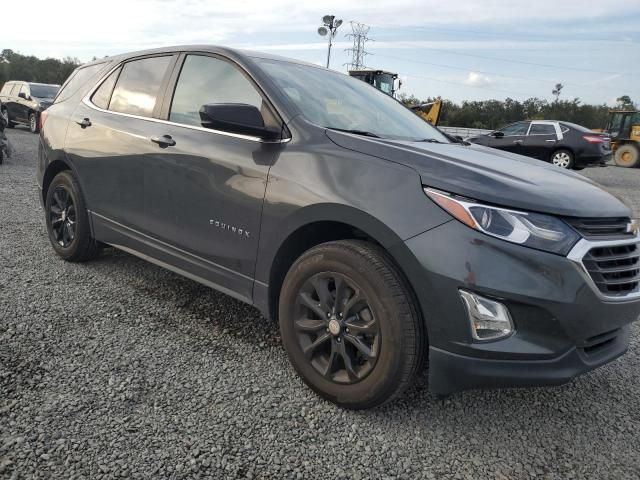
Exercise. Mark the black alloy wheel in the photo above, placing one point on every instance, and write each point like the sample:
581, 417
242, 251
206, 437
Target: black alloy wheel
350, 324
67, 220
336, 328
62, 216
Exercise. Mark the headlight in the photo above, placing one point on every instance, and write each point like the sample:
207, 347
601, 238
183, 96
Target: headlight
534, 230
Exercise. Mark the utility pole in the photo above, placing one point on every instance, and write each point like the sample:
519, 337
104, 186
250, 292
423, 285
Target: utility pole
359, 37
329, 27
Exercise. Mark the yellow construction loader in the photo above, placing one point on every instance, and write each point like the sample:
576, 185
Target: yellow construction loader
389, 83
624, 129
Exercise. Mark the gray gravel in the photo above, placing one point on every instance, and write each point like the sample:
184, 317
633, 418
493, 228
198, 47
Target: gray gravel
117, 368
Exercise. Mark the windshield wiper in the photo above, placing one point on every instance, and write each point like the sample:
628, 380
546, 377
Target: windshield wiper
355, 132
430, 140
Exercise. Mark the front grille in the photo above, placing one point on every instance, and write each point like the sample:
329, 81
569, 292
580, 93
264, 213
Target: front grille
599, 228
614, 269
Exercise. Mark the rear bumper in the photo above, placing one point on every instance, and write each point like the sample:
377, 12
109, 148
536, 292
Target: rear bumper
586, 160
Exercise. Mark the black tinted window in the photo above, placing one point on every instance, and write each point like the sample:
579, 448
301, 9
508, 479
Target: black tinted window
102, 95
138, 86
542, 129
78, 78
515, 129
205, 80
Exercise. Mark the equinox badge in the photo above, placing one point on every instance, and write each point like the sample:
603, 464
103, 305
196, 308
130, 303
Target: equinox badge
230, 228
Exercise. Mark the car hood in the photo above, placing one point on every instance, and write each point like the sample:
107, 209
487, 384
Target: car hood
493, 176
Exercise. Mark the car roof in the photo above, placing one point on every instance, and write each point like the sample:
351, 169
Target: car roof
227, 51
43, 84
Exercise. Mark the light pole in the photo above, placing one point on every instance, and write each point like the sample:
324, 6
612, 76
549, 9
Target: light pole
329, 26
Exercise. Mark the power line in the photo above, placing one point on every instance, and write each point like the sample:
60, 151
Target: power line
359, 37
522, 62
511, 92
485, 72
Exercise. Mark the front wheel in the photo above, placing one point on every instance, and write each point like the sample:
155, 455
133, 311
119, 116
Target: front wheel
33, 123
349, 324
562, 159
627, 155
68, 220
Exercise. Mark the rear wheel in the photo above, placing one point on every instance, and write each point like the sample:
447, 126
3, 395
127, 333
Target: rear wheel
627, 155
33, 122
68, 221
562, 158
349, 324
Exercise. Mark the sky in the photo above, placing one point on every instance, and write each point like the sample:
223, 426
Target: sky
460, 50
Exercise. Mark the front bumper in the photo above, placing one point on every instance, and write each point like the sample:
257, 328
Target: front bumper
563, 327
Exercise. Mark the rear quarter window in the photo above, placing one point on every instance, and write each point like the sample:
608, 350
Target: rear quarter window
79, 78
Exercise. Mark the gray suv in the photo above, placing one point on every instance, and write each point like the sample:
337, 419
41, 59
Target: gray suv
381, 246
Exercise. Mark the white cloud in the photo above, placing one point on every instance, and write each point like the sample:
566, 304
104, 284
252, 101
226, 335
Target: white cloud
475, 79
123, 25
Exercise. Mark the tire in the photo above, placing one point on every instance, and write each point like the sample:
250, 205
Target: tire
563, 158
1, 156
10, 124
68, 223
33, 123
627, 155
385, 324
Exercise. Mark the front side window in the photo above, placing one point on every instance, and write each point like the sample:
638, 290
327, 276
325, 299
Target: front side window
204, 80
515, 129
139, 85
25, 89
542, 129
333, 100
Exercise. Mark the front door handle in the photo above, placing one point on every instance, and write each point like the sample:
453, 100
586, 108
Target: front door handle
518, 142
164, 141
84, 123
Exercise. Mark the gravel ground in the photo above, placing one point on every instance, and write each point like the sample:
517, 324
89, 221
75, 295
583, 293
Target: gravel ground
117, 368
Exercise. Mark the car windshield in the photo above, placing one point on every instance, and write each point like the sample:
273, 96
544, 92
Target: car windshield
333, 100
43, 91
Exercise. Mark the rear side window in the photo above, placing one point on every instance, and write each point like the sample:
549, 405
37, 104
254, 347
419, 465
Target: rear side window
78, 78
205, 80
542, 129
138, 86
102, 95
15, 89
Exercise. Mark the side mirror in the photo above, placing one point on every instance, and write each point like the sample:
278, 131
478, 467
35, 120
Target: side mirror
497, 134
22, 95
237, 118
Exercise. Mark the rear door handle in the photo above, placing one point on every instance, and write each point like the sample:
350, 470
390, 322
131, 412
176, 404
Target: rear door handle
164, 141
84, 123
518, 142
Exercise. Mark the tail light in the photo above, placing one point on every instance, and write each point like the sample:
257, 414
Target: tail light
593, 139
43, 118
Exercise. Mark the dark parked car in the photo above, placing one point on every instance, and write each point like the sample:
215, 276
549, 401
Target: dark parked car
377, 243
25, 101
564, 144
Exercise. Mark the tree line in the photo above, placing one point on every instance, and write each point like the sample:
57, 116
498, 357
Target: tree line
14, 66
493, 114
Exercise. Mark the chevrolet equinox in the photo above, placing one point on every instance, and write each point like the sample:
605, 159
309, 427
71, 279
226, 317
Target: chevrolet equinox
381, 245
